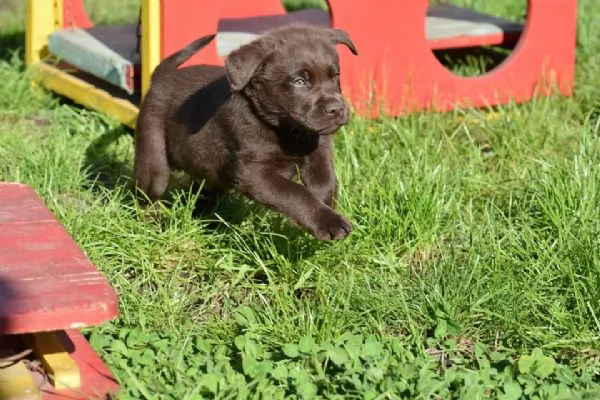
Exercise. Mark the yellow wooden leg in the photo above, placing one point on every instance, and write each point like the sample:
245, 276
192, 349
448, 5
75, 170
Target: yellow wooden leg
85, 93
43, 18
151, 41
16, 383
61, 368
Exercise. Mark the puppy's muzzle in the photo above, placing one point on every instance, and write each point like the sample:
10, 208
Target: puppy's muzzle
334, 109
337, 111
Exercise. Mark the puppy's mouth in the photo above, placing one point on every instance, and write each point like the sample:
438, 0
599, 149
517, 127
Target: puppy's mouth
329, 130
323, 129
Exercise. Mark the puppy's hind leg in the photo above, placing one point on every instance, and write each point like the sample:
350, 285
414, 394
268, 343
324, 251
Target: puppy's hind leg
151, 168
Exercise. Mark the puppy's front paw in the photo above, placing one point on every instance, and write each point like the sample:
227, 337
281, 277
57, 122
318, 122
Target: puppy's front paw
330, 225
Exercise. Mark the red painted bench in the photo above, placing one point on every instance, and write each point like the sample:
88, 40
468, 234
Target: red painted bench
47, 284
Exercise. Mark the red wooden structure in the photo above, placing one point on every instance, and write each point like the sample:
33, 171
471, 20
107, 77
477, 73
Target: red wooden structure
48, 284
396, 71
405, 75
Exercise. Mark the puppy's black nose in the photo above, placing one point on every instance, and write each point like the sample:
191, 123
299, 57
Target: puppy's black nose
334, 108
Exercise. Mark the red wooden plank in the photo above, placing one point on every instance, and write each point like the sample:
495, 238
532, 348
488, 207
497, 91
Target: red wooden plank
19, 206
185, 20
458, 42
74, 14
452, 27
46, 281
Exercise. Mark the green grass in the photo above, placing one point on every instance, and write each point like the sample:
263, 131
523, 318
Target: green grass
474, 237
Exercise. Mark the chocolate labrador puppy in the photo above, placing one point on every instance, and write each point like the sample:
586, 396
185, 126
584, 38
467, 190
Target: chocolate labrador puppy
256, 125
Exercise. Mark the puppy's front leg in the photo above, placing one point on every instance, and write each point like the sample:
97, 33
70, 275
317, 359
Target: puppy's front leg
318, 175
295, 201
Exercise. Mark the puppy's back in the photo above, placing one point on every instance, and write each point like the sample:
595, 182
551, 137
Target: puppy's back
197, 93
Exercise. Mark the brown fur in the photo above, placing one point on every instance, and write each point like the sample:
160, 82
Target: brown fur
251, 126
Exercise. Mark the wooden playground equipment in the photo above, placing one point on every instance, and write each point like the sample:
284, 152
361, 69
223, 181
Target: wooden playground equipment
396, 72
48, 291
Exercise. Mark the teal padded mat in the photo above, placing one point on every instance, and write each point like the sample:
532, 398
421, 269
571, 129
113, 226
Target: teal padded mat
110, 53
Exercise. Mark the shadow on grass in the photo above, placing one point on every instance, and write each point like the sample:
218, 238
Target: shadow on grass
288, 240
107, 167
11, 43
102, 168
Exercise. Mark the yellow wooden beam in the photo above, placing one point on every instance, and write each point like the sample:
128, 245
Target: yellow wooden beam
43, 18
151, 41
85, 93
58, 14
16, 382
62, 370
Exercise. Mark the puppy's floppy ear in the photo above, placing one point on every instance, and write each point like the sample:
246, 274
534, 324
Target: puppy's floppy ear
241, 64
339, 36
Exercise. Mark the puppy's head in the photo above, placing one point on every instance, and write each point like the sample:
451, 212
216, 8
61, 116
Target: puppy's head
291, 76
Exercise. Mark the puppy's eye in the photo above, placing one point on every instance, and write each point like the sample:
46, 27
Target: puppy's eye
299, 82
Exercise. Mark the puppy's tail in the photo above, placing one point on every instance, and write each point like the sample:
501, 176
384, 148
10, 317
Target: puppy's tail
171, 63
